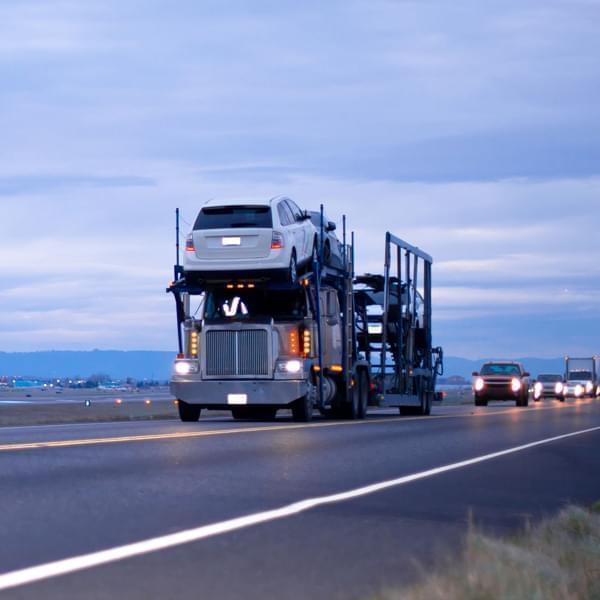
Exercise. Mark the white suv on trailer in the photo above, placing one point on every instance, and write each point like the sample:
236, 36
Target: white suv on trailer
258, 238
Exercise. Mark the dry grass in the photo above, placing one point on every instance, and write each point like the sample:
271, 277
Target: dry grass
559, 559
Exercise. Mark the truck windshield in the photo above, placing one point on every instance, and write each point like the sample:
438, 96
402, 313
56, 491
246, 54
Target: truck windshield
228, 217
500, 370
549, 378
580, 376
246, 305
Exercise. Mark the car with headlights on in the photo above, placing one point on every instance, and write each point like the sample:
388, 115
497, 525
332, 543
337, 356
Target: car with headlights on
249, 240
580, 384
549, 385
501, 380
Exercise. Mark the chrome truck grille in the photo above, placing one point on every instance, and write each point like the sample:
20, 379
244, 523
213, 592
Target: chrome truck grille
243, 353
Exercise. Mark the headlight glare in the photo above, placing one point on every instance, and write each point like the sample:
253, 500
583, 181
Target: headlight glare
185, 367
559, 388
479, 384
515, 384
293, 368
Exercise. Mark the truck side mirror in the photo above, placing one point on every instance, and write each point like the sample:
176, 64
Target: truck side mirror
331, 226
526, 374
475, 374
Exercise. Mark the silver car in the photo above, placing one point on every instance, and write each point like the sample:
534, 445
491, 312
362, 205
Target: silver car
549, 385
258, 238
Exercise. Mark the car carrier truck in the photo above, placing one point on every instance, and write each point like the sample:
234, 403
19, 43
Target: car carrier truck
329, 341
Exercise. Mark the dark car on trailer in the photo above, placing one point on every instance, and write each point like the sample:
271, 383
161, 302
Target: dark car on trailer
501, 380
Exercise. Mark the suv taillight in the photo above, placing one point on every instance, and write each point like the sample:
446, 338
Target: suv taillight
189, 244
277, 241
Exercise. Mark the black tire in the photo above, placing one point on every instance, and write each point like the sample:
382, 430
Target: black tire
188, 413
315, 251
426, 408
480, 401
523, 400
561, 398
302, 409
293, 269
363, 395
351, 408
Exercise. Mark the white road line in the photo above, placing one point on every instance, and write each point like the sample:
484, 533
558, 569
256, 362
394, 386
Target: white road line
95, 559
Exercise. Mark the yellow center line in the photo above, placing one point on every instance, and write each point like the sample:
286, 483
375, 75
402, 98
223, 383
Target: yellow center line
219, 432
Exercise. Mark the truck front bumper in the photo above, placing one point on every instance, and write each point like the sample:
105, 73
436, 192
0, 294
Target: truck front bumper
225, 394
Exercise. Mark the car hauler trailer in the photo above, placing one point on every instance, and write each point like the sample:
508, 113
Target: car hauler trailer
330, 341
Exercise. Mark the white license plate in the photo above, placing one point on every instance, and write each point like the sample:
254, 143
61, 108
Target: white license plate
231, 241
237, 398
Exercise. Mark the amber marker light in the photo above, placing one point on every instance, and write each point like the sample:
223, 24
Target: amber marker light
294, 342
306, 343
336, 368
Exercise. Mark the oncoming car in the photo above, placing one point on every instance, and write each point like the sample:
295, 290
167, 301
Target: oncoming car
501, 381
255, 239
549, 385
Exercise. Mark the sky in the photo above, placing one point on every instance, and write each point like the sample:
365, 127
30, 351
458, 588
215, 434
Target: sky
471, 129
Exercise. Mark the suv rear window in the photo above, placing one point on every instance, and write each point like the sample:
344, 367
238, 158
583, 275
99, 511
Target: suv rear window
228, 217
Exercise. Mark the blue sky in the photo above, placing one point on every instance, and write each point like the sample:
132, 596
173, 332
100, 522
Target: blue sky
471, 129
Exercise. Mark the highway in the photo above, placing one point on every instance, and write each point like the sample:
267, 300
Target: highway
329, 509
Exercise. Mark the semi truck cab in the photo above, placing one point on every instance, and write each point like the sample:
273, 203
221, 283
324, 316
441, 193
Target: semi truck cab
252, 346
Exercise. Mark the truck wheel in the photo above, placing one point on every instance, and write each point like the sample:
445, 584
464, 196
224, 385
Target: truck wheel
351, 408
302, 409
293, 269
426, 409
363, 395
188, 413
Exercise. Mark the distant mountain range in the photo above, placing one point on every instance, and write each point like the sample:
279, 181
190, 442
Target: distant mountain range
157, 365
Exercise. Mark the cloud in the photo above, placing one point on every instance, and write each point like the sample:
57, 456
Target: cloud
469, 129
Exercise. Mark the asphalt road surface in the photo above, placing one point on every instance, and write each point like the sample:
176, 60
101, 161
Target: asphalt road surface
224, 509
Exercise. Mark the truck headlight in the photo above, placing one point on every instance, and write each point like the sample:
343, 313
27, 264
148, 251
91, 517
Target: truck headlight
479, 384
559, 388
294, 368
578, 390
538, 388
185, 367
515, 385
589, 386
